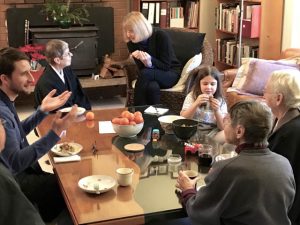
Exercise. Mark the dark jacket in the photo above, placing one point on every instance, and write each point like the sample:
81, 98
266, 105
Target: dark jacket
50, 80
285, 140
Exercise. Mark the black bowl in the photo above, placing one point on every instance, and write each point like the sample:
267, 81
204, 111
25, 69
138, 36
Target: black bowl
185, 128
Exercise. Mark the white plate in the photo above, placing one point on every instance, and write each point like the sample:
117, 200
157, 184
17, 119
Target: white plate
80, 110
56, 149
96, 184
225, 156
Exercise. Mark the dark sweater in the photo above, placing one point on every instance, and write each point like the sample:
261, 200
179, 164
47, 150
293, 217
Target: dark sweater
15, 208
159, 47
256, 187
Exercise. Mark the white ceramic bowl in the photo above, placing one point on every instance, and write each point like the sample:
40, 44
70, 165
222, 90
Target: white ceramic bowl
128, 130
166, 122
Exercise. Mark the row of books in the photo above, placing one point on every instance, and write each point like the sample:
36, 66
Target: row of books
227, 17
169, 14
227, 51
192, 14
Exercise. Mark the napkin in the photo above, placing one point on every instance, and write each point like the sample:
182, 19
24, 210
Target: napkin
105, 127
67, 159
156, 111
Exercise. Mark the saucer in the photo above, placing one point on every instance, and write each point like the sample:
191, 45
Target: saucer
96, 184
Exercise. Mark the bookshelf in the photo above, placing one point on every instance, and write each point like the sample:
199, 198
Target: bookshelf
169, 13
258, 32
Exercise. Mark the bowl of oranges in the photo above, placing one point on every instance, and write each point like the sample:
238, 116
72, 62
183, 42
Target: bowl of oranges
128, 124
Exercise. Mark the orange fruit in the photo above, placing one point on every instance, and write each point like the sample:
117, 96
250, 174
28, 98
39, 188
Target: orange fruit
129, 116
124, 121
138, 119
137, 113
90, 116
132, 123
116, 120
90, 123
125, 113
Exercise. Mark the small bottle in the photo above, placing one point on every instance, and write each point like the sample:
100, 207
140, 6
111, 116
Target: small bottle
155, 134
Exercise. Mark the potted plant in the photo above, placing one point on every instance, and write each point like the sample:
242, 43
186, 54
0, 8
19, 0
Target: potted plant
36, 54
37, 58
63, 14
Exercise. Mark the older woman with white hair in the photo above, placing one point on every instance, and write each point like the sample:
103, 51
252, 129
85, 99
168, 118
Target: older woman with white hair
282, 94
154, 55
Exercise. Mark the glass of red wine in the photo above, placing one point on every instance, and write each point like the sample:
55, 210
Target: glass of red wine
205, 155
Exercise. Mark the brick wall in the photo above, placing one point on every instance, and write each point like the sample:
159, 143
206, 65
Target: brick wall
121, 8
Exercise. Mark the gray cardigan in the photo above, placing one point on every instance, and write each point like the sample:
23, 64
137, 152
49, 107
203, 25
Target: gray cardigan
256, 187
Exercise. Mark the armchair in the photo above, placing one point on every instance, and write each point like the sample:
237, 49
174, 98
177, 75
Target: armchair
173, 97
291, 58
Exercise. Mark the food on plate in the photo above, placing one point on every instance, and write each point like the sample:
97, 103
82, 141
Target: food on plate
90, 116
128, 118
66, 148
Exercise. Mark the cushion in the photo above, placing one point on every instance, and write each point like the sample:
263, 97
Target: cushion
259, 73
185, 44
242, 72
189, 66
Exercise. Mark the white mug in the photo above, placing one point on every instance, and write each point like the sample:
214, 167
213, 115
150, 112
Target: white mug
124, 176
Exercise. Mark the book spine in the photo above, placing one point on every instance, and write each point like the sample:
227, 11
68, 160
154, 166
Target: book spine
163, 15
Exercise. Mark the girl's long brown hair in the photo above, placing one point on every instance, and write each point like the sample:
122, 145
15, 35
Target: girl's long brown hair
199, 73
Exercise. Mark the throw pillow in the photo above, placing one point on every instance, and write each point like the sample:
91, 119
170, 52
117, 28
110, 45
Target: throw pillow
242, 72
259, 73
189, 66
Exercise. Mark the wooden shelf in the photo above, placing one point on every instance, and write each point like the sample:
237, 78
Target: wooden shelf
269, 41
136, 5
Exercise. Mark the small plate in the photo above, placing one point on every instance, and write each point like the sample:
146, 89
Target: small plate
134, 147
225, 156
96, 184
80, 110
56, 149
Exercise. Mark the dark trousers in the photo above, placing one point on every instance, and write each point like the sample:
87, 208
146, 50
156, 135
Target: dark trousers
43, 191
149, 83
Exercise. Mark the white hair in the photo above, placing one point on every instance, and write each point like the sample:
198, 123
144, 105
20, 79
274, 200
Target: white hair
287, 82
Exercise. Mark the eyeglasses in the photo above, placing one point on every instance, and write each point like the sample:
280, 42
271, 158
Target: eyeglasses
67, 54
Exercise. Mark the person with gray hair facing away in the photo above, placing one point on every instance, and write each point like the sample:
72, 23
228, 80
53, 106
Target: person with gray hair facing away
255, 187
59, 75
282, 94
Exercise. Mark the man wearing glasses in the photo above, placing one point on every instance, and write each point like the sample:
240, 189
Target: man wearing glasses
59, 75
18, 156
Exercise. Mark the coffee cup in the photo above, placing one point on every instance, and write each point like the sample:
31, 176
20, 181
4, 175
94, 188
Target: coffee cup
124, 176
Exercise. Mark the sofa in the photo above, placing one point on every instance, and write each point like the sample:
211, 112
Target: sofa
187, 45
248, 81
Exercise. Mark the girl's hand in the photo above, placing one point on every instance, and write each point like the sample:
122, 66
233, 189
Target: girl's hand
201, 99
215, 104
